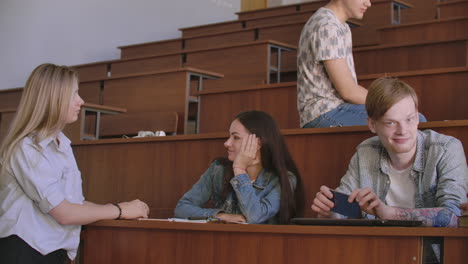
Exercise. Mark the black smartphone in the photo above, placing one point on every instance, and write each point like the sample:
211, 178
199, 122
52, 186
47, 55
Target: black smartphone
343, 207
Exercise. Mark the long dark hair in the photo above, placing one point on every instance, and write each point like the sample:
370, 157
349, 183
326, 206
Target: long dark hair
276, 159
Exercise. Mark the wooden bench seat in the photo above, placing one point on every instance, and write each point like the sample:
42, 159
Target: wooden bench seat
448, 9
159, 170
242, 63
156, 91
284, 27
431, 30
408, 57
129, 124
153, 48
442, 96
422, 10
403, 57
213, 28
280, 10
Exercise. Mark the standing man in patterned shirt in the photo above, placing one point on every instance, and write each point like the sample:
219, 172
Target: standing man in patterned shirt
402, 173
328, 92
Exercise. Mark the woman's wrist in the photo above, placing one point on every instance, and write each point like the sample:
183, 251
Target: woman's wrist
120, 211
239, 170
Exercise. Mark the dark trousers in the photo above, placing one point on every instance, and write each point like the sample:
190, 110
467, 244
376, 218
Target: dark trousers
13, 250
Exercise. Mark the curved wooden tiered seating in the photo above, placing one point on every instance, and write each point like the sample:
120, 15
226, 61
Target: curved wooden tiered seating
156, 91
430, 55
410, 57
430, 30
447, 85
282, 24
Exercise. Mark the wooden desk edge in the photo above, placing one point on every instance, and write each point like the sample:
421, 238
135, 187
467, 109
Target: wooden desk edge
285, 229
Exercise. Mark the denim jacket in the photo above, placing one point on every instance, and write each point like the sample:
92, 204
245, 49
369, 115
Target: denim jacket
439, 172
259, 201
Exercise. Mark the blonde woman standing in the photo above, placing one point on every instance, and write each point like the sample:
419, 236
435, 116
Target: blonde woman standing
42, 206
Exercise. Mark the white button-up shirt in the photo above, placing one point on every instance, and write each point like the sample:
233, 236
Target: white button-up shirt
40, 178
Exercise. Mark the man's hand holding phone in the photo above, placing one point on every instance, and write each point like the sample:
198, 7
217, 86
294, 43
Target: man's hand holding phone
343, 206
327, 200
322, 203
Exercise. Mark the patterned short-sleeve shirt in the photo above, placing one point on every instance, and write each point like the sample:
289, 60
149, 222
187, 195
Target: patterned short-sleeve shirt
323, 37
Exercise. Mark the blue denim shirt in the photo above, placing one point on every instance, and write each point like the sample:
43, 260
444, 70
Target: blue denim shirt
439, 172
259, 201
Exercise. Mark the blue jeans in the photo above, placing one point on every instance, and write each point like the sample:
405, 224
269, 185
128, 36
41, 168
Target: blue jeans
345, 115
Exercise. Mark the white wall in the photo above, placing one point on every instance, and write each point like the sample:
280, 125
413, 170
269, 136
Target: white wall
82, 31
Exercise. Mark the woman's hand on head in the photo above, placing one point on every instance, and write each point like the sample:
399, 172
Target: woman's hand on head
134, 209
249, 154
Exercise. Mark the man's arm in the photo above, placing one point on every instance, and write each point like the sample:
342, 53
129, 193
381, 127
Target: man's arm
440, 217
342, 79
371, 204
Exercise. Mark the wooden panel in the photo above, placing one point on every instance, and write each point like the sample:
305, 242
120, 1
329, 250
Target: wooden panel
453, 9
278, 20
411, 57
90, 92
279, 102
155, 63
9, 99
353, 249
93, 71
290, 33
436, 30
287, 33
455, 250
441, 95
160, 170
217, 40
281, 10
151, 48
157, 92
137, 245
449, 89
422, 10
212, 28
241, 65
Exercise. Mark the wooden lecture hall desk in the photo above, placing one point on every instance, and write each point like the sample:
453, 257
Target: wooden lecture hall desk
123, 241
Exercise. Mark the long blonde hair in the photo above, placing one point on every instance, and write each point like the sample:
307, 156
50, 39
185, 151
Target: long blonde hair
43, 107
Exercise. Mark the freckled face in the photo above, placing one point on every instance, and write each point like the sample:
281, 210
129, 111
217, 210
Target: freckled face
397, 129
237, 132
